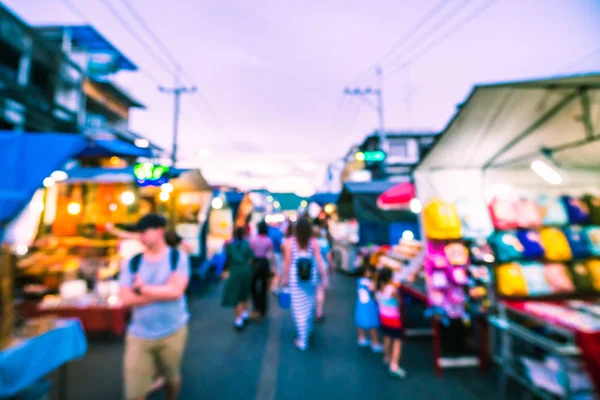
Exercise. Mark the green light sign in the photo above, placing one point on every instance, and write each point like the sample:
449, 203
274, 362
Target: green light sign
374, 156
150, 174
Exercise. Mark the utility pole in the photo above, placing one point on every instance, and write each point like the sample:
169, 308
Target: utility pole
177, 90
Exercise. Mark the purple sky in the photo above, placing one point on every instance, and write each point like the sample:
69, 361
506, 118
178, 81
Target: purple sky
273, 71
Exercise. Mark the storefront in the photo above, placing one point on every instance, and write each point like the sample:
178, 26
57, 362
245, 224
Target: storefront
517, 171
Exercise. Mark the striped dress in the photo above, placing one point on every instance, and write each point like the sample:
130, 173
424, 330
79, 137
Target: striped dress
303, 293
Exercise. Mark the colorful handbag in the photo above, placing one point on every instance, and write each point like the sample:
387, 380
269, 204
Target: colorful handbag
594, 268
577, 242
528, 214
475, 219
504, 214
532, 244
441, 221
439, 279
581, 276
507, 246
577, 210
553, 211
510, 280
537, 285
556, 245
436, 256
593, 203
558, 278
459, 276
456, 253
591, 235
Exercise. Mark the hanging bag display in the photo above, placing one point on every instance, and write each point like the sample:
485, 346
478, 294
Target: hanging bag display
593, 204
532, 244
556, 245
528, 214
558, 278
504, 214
510, 280
553, 211
441, 221
537, 285
593, 267
456, 253
436, 256
507, 246
577, 210
581, 276
475, 218
591, 235
577, 242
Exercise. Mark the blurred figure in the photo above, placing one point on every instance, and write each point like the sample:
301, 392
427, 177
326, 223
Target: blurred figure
262, 246
277, 238
391, 324
239, 265
326, 256
366, 313
302, 265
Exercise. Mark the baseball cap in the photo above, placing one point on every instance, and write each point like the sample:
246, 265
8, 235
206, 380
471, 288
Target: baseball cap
150, 221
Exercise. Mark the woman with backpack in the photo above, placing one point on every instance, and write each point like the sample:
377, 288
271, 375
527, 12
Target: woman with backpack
302, 265
238, 286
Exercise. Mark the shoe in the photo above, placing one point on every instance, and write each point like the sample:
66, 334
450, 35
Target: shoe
377, 348
398, 373
300, 346
239, 324
245, 315
364, 342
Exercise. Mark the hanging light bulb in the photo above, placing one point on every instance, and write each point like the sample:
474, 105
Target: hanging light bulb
416, 206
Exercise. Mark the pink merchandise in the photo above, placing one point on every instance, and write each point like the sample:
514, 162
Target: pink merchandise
504, 214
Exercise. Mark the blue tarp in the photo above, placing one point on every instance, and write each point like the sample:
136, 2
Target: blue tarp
109, 175
26, 362
115, 147
323, 199
26, 159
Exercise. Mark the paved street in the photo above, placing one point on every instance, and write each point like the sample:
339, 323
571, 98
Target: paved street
261, 363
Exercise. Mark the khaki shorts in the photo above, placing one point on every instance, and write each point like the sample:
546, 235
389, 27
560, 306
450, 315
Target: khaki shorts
144, 358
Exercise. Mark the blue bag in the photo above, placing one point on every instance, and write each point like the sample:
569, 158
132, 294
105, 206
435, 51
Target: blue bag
532, 244
507, 246
577, 209
284, 299
577, 242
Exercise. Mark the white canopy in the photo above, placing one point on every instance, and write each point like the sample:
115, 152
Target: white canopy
501, 128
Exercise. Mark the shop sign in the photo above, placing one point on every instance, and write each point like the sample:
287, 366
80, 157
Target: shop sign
148, 174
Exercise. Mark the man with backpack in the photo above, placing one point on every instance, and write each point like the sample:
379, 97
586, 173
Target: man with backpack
153, 283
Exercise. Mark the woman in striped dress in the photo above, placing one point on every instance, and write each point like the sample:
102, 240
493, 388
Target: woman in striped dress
302, 264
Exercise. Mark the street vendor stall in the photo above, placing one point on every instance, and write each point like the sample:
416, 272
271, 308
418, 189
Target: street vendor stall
31, 353
519, 165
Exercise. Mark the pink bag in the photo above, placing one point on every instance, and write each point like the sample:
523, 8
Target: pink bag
528, 214
504, 214
558, 278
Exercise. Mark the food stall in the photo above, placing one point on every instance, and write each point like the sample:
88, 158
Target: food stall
521, 159
36, 347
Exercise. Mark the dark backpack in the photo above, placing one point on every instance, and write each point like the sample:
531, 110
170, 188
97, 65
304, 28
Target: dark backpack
304, 266
134, 263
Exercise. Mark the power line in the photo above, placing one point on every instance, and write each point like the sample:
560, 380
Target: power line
443, 37
432, 13
426, 35
158, 42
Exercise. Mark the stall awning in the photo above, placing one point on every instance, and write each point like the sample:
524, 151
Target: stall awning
323, 199
507, 125
26, 159
397, 197
109, 175
114, 147
359, 200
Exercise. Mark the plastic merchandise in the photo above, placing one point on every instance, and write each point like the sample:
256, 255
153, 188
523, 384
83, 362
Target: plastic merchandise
510, 280
537, 284
558, 278
591, 236
504, 214
532, 244
577, 242
528, 214
441, 221
577, 210
553, 211
507, 246
556, 245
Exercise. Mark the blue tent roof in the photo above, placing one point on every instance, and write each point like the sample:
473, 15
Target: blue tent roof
108, 175
324, 198
27, 159
115, 147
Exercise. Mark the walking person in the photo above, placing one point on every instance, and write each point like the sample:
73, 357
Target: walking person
324, 249
238, 286
262, 246
302, 266
277, 238
153, 283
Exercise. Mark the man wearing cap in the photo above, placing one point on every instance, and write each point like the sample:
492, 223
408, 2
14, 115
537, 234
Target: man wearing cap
154, 284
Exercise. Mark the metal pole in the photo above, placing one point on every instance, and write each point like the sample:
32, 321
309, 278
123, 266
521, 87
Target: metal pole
382, 137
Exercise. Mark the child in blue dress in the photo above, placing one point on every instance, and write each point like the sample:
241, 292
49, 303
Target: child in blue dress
366, 312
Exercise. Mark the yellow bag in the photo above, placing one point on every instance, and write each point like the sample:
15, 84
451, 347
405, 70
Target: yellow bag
556, 245
594, 267
511, 281
441, 221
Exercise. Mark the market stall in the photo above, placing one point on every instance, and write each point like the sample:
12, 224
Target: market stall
357, 207
29, 354
518, 165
